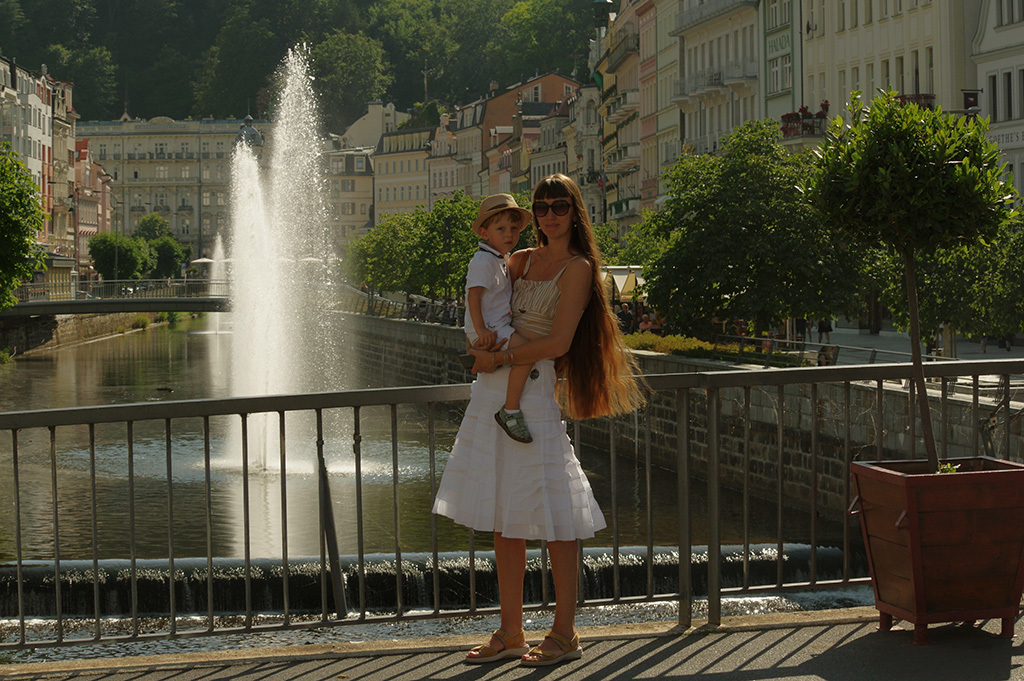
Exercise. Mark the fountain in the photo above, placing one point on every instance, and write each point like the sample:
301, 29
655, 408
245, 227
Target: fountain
282, 341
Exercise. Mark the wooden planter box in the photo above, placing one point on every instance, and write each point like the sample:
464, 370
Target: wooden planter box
943, 547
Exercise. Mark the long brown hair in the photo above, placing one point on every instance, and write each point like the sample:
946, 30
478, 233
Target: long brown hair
599, 371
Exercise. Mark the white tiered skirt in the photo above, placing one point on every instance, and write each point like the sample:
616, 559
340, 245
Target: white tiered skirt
525, 491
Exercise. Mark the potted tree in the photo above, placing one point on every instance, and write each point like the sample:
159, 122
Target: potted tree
941, 548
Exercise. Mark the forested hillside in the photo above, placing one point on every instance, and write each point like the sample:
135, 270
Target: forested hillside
198, 58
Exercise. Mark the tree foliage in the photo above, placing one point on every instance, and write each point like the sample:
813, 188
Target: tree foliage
116, 256
152, 226
168, 254
21, 217
350, 71
911, 180
739, 241
423, 252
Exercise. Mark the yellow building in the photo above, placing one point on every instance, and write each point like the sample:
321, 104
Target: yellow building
401, 176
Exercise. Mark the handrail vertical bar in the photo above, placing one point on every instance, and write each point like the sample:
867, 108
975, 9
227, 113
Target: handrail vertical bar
815, 451
330, 532
714, 510
170, 526
245, 521
944, 410
357, 450
17, 538
880, 419
683, 526
975, 413
847, 462
472, 570
912, 417
59, 601
283, 451
780, 485
208, 489
614, 474
399, 604
132, 550
1008, 417
97, 629
649, 494
434, 562
746, 487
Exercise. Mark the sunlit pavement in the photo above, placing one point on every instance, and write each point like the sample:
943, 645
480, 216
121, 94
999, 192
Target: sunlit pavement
837, 645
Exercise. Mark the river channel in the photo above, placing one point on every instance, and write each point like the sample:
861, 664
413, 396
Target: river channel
192, 360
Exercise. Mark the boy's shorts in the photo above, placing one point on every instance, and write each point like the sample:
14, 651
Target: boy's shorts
504, 333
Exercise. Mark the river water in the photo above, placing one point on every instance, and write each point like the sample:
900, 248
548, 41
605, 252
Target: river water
192, 360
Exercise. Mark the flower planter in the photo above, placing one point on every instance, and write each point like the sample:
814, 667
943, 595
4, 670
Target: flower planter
943, 547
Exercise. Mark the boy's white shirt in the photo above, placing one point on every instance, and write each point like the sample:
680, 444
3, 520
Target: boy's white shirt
489, 270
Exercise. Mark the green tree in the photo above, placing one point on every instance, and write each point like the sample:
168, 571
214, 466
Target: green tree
911, 180
116, 256
94, 74
21, 217
381, 258
168, 256
237, 66
152, 226
741, 242
350, 71
542, 36
444, 246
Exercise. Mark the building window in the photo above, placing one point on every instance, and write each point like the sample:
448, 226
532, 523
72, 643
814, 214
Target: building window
787, 72
360, 162
774, 75
854, 13
993, 82
1008, 94
868, 12
348, 185
348, 208
186, 172
773, 14
161, 172
841, 19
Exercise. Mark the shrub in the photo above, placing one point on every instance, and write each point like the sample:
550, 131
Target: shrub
140, 321
6, 356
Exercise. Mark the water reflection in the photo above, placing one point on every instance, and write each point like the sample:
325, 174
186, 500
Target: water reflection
185, 362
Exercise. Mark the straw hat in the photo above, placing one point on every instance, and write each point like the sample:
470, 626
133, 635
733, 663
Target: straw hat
496, 203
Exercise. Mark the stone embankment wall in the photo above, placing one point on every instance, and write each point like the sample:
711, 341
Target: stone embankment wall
24, 335
397, 352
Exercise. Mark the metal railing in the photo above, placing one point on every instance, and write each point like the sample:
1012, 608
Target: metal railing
121, 289
786, 433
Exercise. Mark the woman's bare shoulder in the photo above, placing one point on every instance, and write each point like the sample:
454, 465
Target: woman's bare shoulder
517, 262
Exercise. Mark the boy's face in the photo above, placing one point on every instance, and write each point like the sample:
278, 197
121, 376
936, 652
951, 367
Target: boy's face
502, 232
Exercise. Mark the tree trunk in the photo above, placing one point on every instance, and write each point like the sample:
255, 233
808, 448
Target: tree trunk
915, 356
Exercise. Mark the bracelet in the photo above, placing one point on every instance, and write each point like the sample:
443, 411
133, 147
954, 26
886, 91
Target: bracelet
493, 362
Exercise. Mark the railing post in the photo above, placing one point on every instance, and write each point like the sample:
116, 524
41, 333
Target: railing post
714, 512
327, 522
683, 506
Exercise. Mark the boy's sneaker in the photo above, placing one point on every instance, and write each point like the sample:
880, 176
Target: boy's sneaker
514, 425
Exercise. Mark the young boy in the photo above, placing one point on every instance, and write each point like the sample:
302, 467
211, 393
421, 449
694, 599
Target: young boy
489, 298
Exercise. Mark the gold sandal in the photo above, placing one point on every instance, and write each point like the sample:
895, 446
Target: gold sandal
514, 646
571, 650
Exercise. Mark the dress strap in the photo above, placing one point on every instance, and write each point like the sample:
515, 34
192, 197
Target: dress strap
556, 277
526, 268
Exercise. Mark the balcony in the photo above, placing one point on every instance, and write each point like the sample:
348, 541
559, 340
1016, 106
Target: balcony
796, 126
923, 100
132, 157
622, 105
161, 208
628, 44
184, 209
684, 95
623, 157
160, 155
710, 86
624, 208
137, 209
670, 152
741, 77
708, 10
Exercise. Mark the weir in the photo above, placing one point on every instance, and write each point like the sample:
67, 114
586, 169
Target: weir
112, 584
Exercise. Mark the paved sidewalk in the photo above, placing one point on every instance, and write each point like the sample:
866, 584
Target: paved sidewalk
838, 645
894, 346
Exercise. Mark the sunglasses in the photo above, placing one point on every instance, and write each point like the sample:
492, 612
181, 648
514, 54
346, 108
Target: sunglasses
559, 207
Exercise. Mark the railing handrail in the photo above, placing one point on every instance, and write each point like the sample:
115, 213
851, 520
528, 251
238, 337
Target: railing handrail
738, 378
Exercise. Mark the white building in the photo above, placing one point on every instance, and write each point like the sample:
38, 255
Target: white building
718, 90
179, 169
378, 119
998, 51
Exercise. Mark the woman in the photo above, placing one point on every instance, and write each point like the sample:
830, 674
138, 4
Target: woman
538, 490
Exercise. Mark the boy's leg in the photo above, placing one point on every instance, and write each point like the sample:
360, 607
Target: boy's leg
517, 377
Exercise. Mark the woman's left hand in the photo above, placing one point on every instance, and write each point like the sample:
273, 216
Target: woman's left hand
486, 359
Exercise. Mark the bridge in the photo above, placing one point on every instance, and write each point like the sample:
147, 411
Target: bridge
128, 295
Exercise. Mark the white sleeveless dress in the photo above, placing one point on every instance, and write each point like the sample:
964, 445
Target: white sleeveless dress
525, 491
